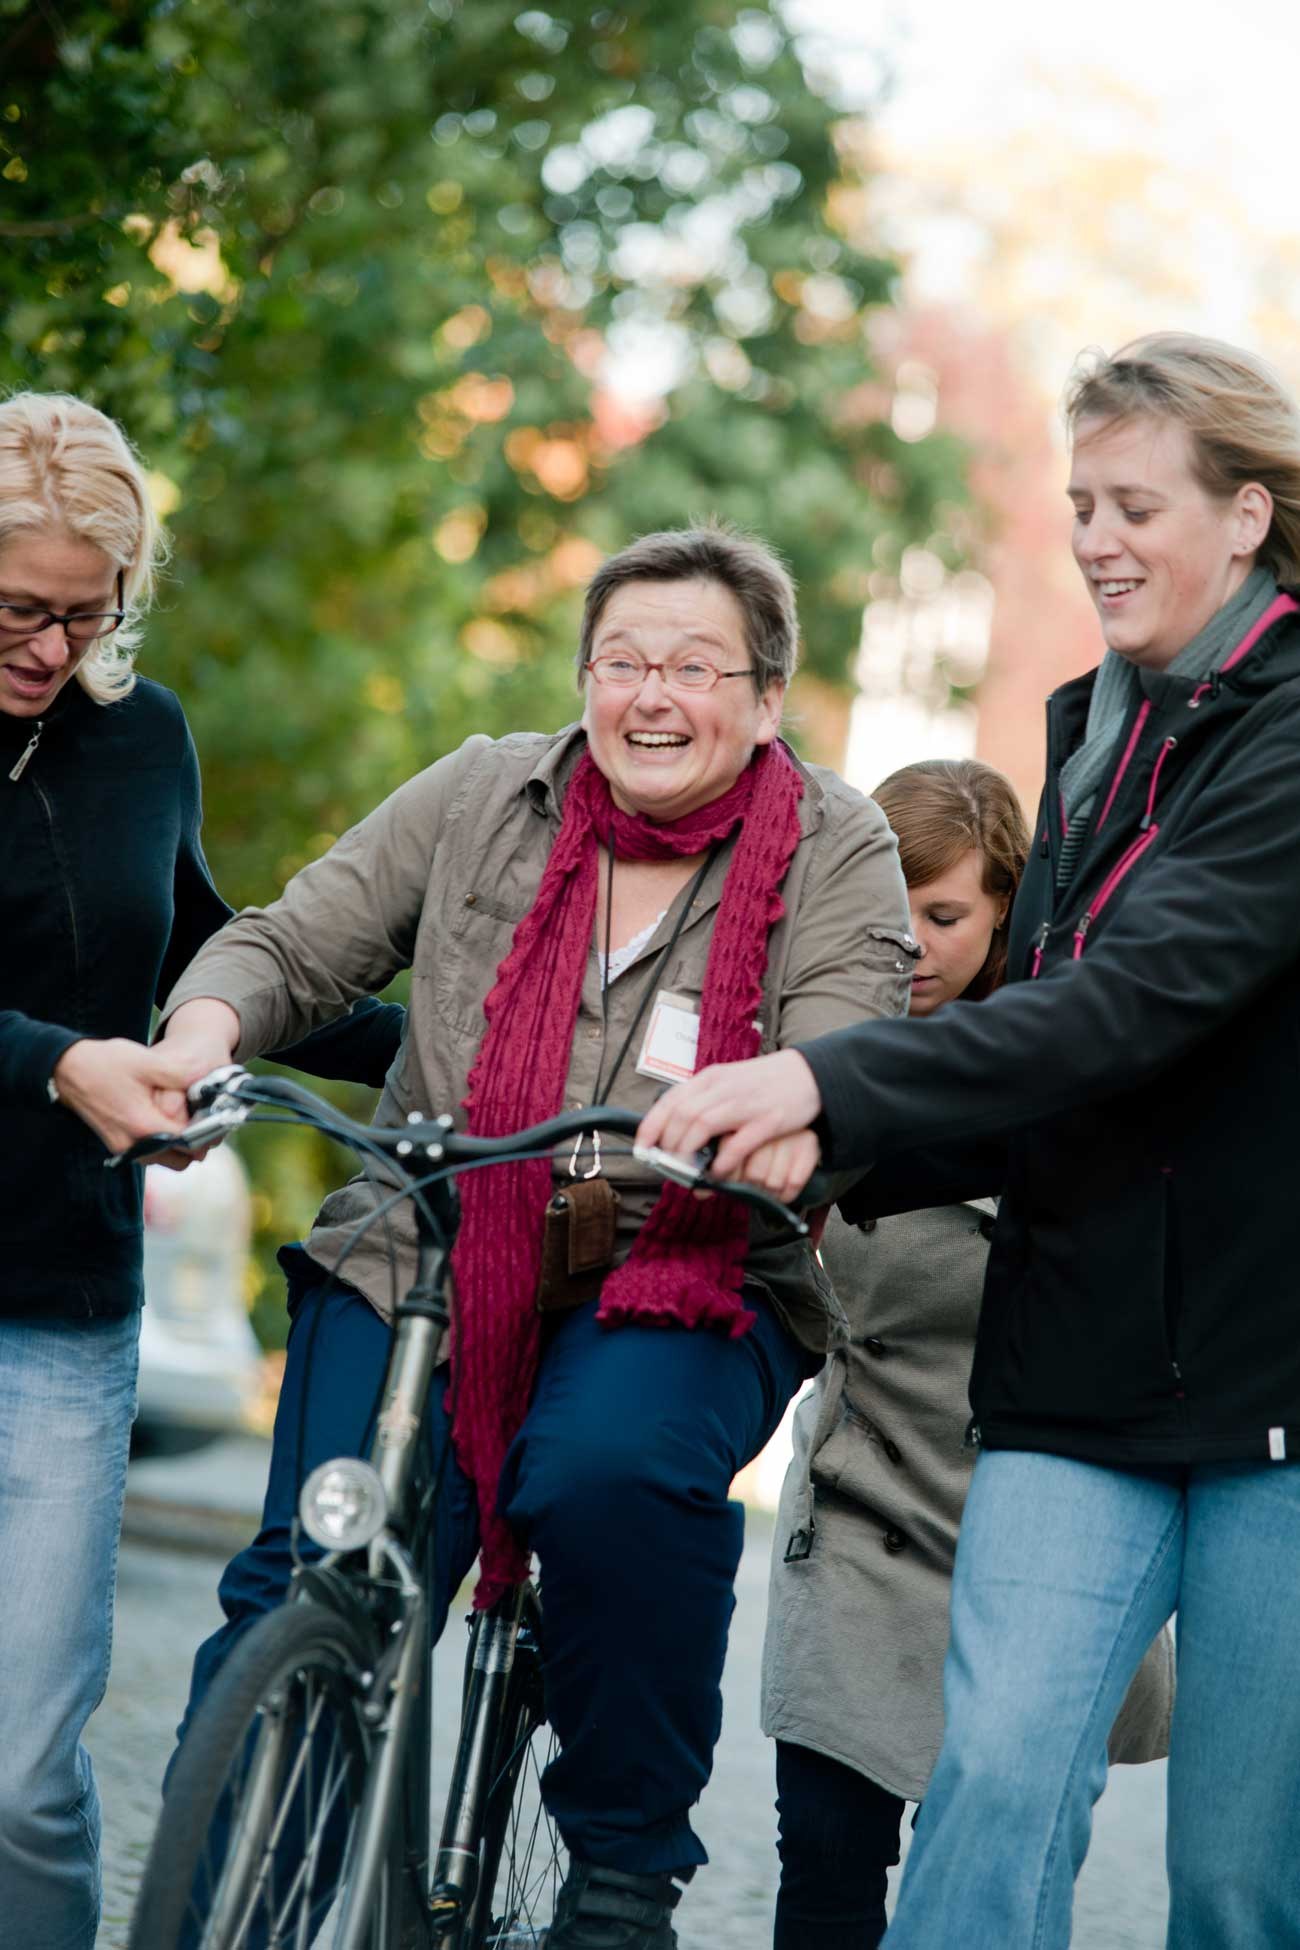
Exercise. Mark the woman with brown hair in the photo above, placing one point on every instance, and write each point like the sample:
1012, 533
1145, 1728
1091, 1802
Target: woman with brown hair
866, 1532
583, 912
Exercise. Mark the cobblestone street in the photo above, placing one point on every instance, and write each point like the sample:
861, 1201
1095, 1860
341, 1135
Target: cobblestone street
166, 1604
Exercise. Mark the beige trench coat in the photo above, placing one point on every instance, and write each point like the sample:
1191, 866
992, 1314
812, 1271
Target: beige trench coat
857, 1626
438, 878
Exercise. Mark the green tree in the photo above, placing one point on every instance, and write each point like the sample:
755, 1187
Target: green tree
359, 278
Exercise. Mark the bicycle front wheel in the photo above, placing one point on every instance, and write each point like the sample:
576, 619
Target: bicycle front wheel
261, 1814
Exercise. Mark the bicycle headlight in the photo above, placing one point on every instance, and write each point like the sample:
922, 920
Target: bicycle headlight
343, 1505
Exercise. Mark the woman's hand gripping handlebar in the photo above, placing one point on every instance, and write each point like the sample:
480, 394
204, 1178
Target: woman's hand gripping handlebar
230, 1096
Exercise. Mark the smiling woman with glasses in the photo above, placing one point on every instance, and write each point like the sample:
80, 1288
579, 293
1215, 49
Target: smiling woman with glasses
104, 896
586, 915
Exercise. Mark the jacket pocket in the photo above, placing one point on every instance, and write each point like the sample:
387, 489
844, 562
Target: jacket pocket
892, 949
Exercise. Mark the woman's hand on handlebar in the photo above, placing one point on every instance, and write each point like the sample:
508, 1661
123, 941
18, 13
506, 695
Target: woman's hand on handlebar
784, 1165
749, 1105
123, 1090
202, 1036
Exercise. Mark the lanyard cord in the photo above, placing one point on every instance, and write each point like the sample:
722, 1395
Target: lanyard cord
600, 1094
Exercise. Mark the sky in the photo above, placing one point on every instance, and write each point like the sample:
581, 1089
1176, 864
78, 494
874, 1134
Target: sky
1209, 91
1220, 92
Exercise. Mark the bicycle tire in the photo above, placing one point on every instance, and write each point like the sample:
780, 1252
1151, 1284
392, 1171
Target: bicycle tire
522, 1860
284, 1731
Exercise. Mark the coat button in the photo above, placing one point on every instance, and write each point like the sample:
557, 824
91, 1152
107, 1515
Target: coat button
875, 1347
894, 1541
867, 1225
893, 1451
471, 900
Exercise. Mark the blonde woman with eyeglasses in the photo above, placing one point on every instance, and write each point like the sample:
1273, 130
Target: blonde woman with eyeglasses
104, 896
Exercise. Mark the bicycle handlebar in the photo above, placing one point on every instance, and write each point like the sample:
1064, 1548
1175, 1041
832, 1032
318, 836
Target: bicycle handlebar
227, 1097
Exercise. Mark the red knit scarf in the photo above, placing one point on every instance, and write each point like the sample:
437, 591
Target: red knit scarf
687, 1264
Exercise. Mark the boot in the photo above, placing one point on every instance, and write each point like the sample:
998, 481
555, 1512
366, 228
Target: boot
612, 1909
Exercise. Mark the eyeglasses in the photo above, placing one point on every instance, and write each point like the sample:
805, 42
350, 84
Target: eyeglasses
693, 674
80, 626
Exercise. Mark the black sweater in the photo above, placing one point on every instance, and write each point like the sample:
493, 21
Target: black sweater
1136, 1087
105, 896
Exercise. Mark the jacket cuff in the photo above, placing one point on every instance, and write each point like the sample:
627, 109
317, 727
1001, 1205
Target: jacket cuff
836, 1121
31, 1066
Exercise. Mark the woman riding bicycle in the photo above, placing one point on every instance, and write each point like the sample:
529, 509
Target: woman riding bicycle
660, 885
105, 897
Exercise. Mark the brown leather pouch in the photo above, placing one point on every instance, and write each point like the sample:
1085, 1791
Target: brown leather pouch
577, 1244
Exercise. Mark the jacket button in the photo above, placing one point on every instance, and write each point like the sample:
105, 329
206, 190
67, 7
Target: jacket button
894, 1541
893, 1451
471, 900
868, 1225
875, 1347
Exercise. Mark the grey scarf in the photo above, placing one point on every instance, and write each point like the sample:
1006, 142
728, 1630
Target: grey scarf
1117, 689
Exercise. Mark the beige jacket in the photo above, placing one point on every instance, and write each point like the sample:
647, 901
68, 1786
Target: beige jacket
438, 878
857, 1624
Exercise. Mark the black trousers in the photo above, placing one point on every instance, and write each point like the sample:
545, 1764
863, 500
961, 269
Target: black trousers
838, 1838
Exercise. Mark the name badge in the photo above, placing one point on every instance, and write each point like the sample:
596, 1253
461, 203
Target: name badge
672, 1039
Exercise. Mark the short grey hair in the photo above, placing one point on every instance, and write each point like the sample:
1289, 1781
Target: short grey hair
712, 552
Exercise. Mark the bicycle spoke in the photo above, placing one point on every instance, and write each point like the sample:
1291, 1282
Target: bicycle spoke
530, 1857
266, 1866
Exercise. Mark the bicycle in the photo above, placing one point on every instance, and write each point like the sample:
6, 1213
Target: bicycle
298, 1812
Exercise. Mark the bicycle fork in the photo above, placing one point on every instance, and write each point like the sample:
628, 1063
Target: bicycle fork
489, 1664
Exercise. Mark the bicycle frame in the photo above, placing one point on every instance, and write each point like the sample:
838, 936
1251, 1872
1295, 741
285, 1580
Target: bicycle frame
400, 1688
389, 1608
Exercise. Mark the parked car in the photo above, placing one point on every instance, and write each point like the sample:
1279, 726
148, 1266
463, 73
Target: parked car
200, 1364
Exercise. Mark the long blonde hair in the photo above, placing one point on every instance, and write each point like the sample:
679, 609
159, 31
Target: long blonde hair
65, 465
1243, 421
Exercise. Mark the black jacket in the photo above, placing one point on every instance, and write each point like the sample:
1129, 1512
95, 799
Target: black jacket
1138, 1087
105, 896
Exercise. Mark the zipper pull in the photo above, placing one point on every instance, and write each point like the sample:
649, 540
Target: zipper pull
1081, 933
26, 753
1149, 814
1039, 946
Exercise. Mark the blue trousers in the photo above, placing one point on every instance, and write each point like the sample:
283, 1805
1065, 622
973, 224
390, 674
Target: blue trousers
1065, 1572
619, 1481
67, 1401
838, 1839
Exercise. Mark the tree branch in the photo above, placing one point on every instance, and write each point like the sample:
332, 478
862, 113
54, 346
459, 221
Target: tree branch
54, 226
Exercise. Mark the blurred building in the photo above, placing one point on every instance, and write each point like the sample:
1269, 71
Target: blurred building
958, 663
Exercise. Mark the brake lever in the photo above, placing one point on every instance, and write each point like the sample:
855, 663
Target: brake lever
693, 1174
206, 1091
226, 1115
689, 1172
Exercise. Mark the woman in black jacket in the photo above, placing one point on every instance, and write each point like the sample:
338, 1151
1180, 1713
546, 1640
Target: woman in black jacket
104, 898
1137, 1376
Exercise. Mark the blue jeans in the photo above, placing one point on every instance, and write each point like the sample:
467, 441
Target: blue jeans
67, 1401
619, 1480
1065, 1572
